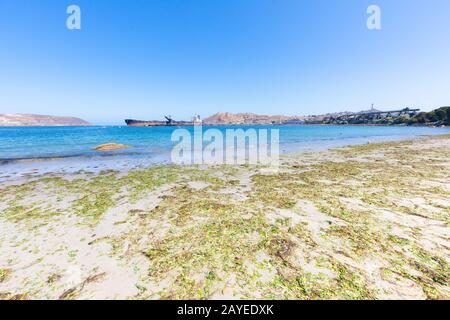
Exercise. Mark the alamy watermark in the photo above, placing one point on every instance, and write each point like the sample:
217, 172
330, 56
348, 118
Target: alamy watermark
230, 146
374, 19
73, 21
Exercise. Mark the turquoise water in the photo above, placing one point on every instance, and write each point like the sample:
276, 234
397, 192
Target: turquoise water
50, 142
33, 150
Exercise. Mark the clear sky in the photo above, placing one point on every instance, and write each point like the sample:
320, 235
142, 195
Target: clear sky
146, 58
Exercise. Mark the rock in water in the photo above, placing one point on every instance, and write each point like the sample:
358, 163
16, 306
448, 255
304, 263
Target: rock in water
111, 147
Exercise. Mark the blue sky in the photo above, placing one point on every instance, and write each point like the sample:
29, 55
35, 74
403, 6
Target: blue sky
146, 58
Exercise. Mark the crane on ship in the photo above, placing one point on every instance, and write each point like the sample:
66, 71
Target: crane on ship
169, 120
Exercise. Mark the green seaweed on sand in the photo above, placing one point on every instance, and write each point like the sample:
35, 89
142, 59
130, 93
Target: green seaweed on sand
4, 274
306, 232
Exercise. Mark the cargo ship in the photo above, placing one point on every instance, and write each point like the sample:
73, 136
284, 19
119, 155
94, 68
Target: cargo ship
196, 121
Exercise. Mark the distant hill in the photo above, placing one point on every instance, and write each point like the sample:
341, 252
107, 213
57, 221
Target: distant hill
11, 120
438, 117
227, 118
435, 118
224, 118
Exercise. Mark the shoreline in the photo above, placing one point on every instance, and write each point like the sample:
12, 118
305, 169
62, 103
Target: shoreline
361, 222
16, 148
30, 169
286, 147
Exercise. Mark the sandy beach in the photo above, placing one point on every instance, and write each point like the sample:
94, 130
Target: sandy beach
362, 222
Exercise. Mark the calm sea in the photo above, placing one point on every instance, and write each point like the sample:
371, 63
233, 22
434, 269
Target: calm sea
37, 149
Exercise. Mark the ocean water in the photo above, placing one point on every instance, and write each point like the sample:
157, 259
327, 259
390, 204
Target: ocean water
36, 150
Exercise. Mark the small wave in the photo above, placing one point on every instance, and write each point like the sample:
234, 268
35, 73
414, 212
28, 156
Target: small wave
67, 157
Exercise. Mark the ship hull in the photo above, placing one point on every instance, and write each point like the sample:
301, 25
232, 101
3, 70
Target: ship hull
142, 123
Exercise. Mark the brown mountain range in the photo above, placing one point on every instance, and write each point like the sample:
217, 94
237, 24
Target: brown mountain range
227, 118
247, 118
